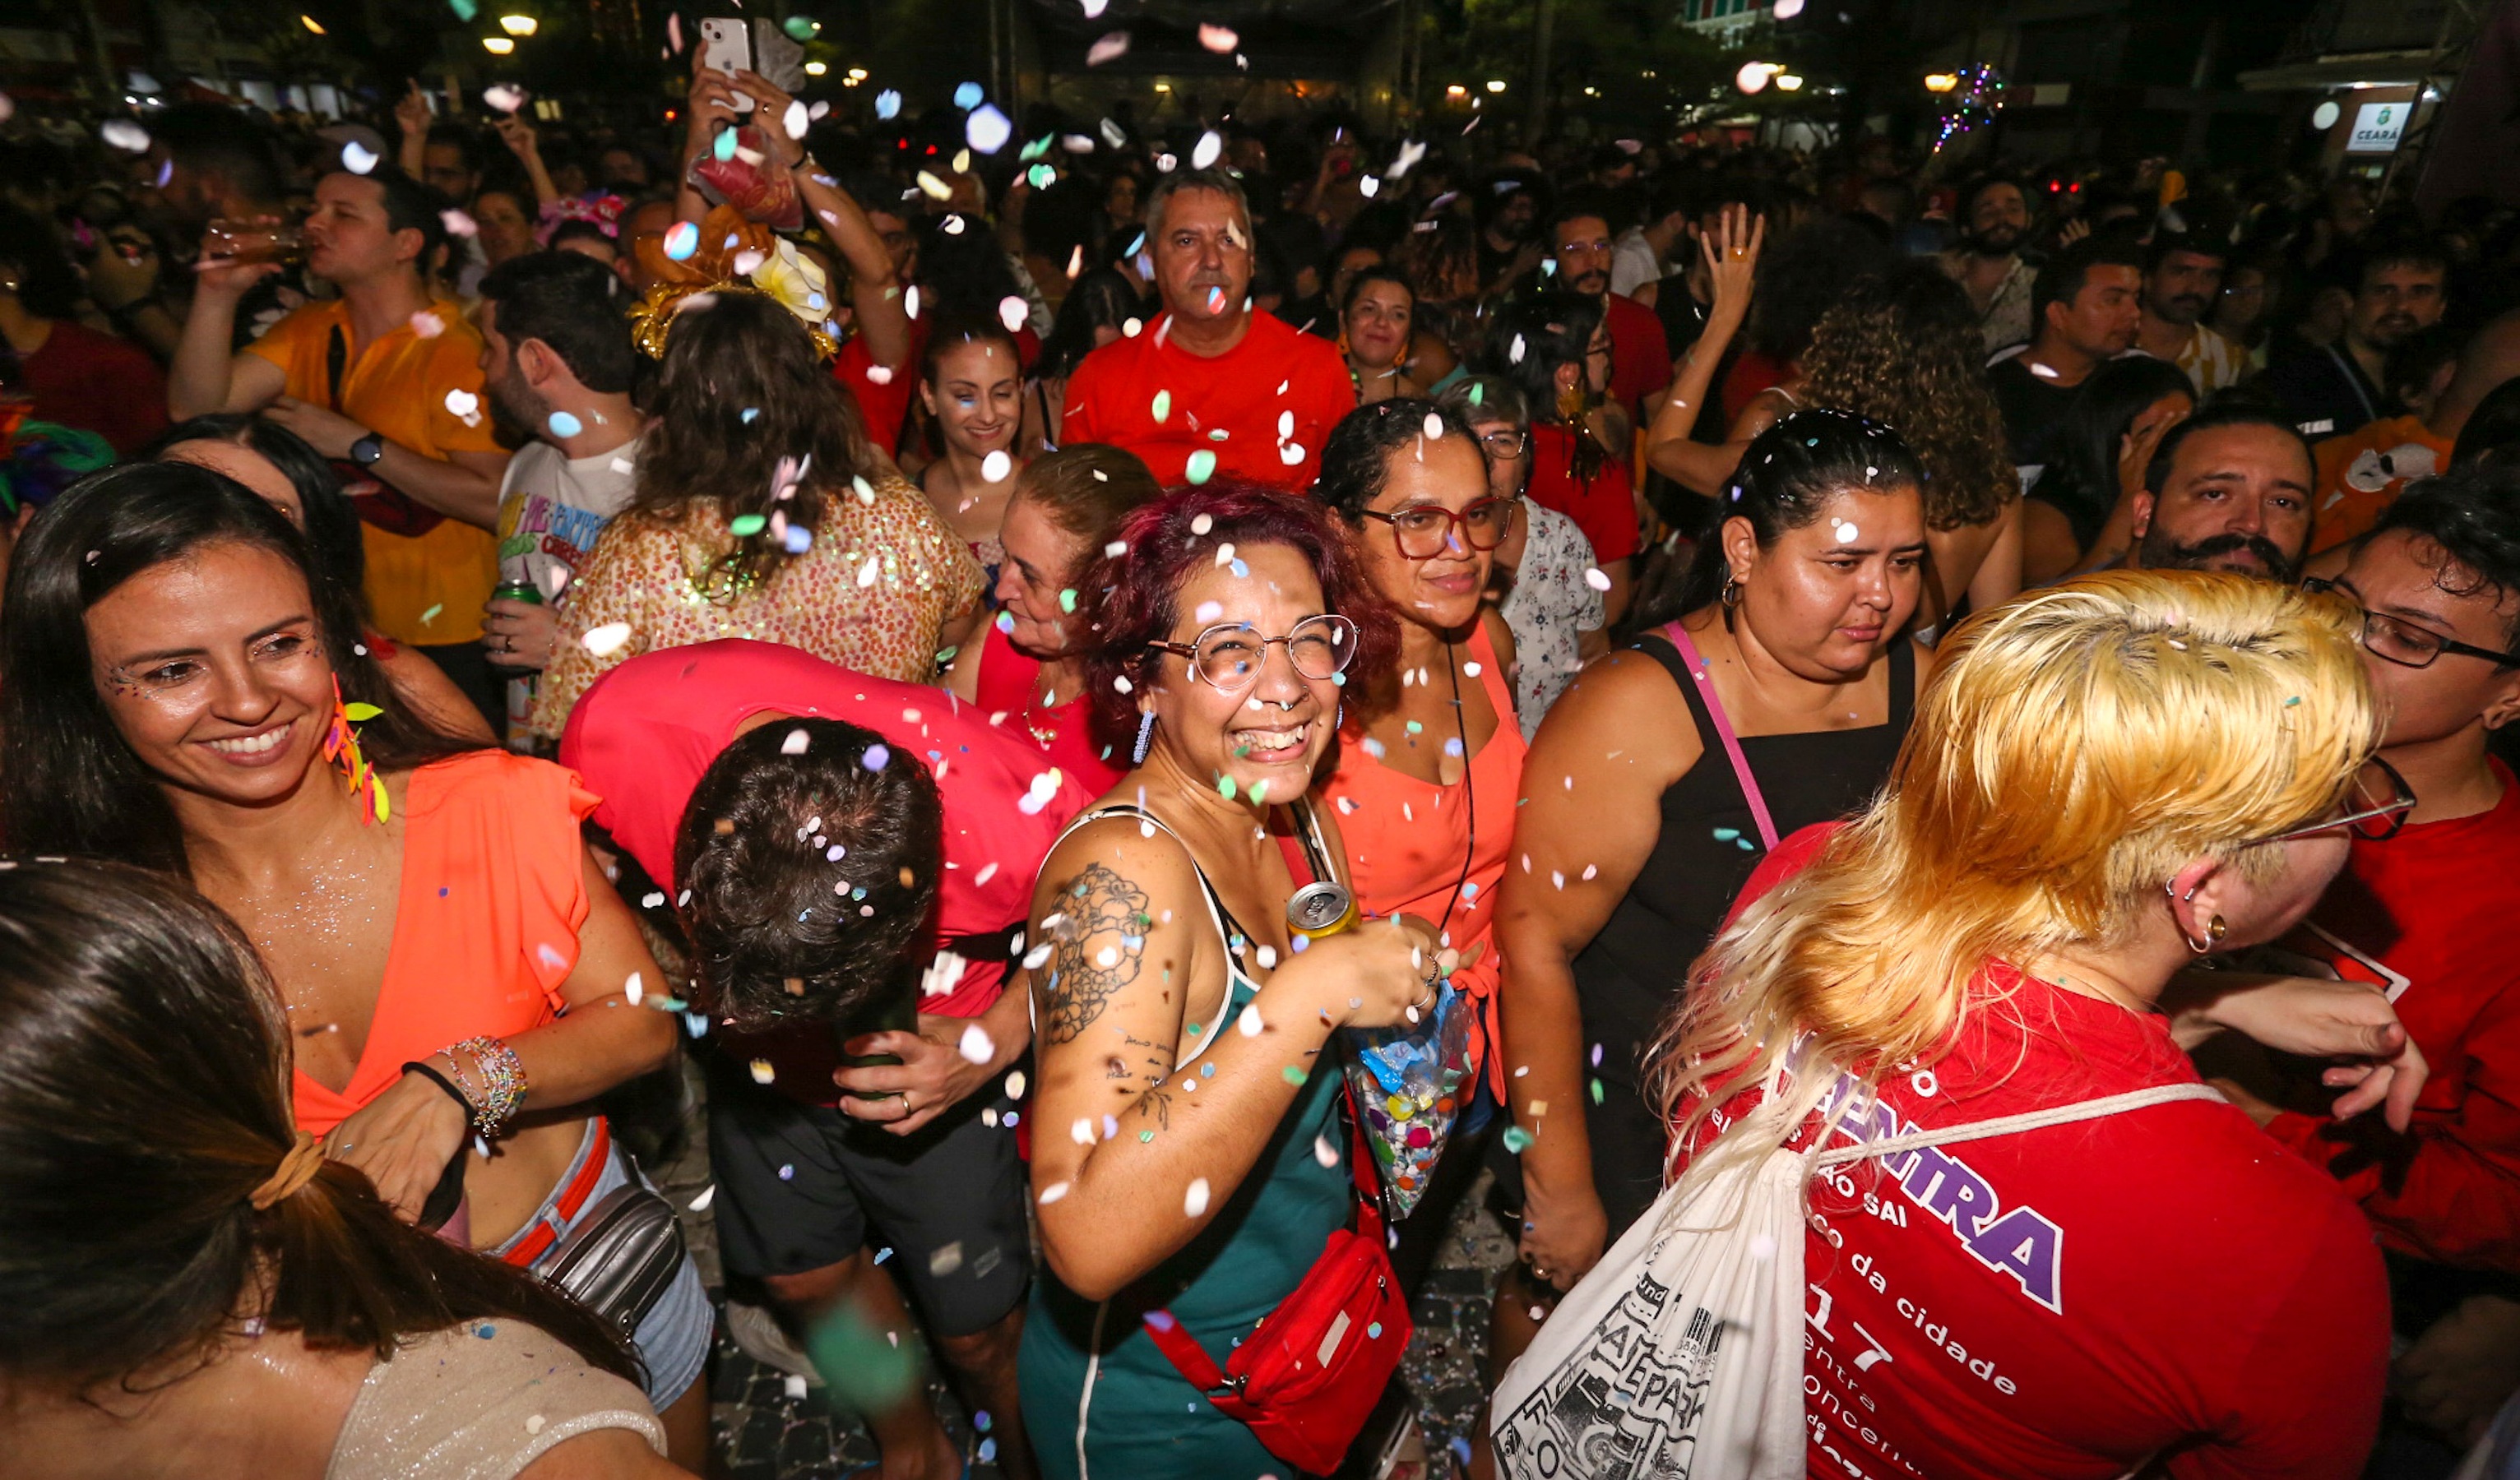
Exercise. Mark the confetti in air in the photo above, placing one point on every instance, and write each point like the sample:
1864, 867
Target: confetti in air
1014, 312
124, 135
1210, 145
887, 102
1194, 1201
797, 119
504, 99
1595, 578
987, 129
464, 404
977, 1045
563, 424
1200, 468
607, 640
682, 240
1110, 47
427, 324
1219, 39
458, 224
357, 157
795, 744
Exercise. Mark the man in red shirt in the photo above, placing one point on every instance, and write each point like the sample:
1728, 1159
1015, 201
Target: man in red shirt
832, 839
1211, 386
2426, 914
1580, 247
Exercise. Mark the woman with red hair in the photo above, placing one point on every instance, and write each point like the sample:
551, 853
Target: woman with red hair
1181, 1176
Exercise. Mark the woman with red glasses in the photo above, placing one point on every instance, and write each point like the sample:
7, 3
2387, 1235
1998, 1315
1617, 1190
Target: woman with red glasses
1430, 756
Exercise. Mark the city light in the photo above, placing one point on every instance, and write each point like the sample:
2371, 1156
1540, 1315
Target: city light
1457, 92
815, 69
1754, 75
497, 46
1786, 10
1496, 84
856, 75
518, 26
1941, 82
1790, 82
308, 21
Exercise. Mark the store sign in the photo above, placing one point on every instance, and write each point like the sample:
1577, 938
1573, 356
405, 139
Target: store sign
2377, 127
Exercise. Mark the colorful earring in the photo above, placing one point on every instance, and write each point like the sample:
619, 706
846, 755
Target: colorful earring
342, 748
1145, 738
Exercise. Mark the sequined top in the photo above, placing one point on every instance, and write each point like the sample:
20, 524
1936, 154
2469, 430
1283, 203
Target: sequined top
479, 1401
871, 593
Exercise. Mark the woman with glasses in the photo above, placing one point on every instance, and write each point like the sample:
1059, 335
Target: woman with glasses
1555, 349
1777, 699
1429, 758
2104, 782
1190, 1162
1540, 566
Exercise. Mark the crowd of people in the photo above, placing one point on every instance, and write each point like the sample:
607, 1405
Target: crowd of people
908, 677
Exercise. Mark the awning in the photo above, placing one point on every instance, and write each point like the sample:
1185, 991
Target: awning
2397, 68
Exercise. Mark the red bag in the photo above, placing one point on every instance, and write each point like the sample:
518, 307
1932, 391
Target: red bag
1309, 1378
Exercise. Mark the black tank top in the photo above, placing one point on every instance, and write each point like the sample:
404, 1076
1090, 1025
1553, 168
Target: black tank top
1626, 977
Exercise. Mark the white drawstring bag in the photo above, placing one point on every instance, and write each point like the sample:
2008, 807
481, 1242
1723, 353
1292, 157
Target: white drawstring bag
1681, 1354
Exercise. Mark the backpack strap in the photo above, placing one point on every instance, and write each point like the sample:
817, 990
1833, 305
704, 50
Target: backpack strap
2013, 1124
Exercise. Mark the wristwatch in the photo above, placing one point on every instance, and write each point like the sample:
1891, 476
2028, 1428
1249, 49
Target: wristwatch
367, 450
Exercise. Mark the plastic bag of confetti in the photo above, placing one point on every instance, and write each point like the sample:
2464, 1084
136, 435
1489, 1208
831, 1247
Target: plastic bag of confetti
1409, 1083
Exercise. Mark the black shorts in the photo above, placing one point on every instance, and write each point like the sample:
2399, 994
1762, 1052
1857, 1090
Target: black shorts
800, 1187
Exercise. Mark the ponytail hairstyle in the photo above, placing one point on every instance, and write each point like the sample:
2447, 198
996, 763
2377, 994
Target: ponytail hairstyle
2073, 750
144, 1102
1785, 476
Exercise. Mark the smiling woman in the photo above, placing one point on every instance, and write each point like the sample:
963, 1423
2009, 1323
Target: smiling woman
178, 688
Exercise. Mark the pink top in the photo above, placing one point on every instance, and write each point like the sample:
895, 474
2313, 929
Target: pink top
1407, 838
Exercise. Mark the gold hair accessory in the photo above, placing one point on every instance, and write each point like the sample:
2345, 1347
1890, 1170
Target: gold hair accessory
733, 254
296, 1169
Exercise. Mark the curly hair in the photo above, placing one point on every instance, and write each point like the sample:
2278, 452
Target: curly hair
1131, 599
1903, 349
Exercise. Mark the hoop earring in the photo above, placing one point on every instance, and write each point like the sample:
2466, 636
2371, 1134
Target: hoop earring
1145, 738
2215, 929
1730, 595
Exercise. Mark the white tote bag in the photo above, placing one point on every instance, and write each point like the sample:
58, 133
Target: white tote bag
1680, 1357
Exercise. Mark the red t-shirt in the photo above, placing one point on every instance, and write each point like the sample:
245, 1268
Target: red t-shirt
1264, 407
1639, 351
1604, 507
2066, 1302
644, 733
2427, 916
96, 383
1005, 691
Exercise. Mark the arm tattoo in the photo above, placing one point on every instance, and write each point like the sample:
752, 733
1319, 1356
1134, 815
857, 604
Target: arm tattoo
1101, 943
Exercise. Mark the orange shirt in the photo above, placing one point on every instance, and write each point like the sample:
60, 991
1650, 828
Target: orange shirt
1408, 841
2343, 508
425, 588
485, 930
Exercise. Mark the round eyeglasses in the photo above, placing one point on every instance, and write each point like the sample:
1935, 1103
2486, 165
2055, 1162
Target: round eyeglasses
1228, 655
1424, 531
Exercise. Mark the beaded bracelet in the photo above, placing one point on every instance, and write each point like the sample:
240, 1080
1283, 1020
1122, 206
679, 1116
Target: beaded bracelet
503, 1081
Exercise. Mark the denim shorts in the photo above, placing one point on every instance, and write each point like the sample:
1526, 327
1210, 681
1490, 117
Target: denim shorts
673, 1341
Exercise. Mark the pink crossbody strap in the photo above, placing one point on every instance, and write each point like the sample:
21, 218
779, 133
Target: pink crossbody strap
1723, 731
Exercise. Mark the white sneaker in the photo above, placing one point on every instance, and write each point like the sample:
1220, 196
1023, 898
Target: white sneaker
759, 1335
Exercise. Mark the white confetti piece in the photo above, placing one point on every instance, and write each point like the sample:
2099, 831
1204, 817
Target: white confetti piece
976, 1047
1210, 145
357, 157
987, 129
1845, 533
796, 742
1052, 1194
1109, 47
763, 1071
1597, 579
1194, 1201
1082, 1133
1248, 1024
996, 466
462, 403
124, 135
708, 1195
504, 98
1219, 39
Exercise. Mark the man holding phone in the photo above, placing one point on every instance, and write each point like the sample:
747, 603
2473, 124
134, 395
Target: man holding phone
845, 851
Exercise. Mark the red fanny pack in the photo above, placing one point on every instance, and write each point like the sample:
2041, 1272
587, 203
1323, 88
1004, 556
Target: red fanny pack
1309, 1378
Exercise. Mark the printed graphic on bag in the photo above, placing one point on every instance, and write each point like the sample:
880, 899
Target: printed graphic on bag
1622, 1405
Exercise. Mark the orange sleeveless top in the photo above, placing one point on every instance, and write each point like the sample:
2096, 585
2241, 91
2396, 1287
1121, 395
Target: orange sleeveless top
1406, 839
485, 926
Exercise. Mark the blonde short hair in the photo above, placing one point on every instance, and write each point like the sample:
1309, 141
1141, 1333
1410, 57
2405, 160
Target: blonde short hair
2074, 749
